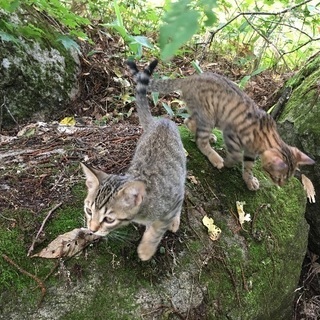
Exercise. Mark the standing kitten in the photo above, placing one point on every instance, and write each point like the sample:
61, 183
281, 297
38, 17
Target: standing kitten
152, 190
214, 101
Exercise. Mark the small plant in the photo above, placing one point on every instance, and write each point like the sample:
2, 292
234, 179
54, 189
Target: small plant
135, 43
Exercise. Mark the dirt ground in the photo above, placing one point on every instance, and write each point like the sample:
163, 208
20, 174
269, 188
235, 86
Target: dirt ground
106, 131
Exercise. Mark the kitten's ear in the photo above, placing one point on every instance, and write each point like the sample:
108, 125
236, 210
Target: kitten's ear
302, 158
271, 160
94, 176
133, 193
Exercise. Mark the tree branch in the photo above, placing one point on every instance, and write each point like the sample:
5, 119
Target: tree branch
213, 33
302, 45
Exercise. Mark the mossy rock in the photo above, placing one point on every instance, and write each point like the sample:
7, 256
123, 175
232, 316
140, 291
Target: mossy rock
249, 273
38, 75
299, 126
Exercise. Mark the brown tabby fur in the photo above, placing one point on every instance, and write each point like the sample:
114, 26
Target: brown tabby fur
151, 192
214, 101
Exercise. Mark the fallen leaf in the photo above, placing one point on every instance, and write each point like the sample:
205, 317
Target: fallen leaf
68, 121
213, 231
192, 179
242, 215
67, 244
308, 186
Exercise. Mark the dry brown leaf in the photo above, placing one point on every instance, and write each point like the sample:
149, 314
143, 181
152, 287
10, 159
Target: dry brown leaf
67, 244
308, 186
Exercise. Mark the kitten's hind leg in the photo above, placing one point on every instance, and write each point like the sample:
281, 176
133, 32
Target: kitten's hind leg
233, 146
192, 126
247, 175
202, 141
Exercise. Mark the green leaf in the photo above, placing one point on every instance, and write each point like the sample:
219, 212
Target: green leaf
155, 97
120, 29
31, 31
144, 41
207, 7
118, 13
168, 109
4, 36
9, 6
68, 43
195, 64
180, 24
243, 82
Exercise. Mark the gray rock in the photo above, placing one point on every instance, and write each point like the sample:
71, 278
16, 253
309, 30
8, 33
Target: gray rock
38, 77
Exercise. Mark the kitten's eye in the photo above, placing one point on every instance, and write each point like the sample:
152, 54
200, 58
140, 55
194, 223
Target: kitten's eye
88, 212
108, 220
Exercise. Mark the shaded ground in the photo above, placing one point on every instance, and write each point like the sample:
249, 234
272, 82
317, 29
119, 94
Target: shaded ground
33, 166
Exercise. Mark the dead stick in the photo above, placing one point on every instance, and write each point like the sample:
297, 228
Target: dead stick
42, 226
40, 283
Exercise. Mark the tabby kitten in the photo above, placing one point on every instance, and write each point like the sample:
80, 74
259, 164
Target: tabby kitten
214, 101
152, 190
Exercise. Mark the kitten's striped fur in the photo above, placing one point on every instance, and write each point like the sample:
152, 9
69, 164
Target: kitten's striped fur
152, 190
214, 101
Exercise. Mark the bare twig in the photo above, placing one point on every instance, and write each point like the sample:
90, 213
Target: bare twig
266, 39
8, 110
42, 226
213, 33
299, 47
40, 283
8, 219
295, 28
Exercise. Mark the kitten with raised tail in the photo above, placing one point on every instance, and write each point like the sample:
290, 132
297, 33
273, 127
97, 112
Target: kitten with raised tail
151, 192
214, 101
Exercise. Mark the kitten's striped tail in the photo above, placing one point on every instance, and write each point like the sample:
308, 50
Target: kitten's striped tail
142, 79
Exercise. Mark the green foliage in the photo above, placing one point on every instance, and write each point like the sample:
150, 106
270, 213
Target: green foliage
10, 31
135, 43
184, 21
180, 23
256, 35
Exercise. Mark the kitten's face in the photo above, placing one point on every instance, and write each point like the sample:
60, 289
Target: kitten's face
281, 170
110, 204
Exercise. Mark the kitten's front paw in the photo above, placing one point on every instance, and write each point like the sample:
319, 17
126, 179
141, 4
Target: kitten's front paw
146, 251
216, 160
253, 184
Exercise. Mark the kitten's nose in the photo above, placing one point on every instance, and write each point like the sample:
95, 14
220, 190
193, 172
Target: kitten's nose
93, 226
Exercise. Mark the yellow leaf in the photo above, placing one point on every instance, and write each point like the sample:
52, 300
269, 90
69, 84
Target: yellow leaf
68, 121
213, 231
242, 215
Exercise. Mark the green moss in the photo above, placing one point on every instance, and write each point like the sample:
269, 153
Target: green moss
245, 268
248, 274
305, 96
15, 241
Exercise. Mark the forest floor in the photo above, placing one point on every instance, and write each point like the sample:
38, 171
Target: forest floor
105, 98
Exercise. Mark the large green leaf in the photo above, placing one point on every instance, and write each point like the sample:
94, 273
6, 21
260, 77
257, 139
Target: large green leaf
180, 24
